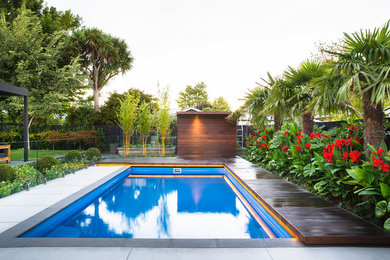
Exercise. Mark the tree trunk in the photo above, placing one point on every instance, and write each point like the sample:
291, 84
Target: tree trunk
374, 131
307, 122
277, 122
96, 100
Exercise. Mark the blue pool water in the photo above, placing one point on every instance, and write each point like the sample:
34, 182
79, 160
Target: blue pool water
156, 207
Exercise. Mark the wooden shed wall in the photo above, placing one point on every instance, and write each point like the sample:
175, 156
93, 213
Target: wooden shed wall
207, 135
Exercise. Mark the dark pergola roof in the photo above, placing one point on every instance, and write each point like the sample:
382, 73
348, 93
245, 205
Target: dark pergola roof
8, 90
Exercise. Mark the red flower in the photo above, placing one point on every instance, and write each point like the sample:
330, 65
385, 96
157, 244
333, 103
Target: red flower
380, 151
263, 144
340, 143
264, 138
355, 155
299, 137
327, 156
266, 132
284, 148
344, 156
298, 147
286, 133
353, 128
385, 167
308, 145
327, 152
267, 146
258, 132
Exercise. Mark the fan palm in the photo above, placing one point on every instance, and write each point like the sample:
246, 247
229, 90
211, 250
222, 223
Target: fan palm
363, 65
301, 80
254, 104
269, 99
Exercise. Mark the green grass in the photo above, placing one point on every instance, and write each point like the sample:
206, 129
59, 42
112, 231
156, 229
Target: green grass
18, 155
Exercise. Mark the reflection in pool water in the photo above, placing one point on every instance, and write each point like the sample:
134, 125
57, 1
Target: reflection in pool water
164, 208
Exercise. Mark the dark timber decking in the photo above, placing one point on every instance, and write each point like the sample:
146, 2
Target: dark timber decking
313, 220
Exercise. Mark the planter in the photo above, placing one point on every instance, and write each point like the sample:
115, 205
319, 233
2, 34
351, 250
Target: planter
150, 151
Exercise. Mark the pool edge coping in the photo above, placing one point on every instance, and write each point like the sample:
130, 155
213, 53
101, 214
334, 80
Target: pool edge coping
10, 237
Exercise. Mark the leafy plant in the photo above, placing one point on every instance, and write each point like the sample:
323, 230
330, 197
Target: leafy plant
7, 173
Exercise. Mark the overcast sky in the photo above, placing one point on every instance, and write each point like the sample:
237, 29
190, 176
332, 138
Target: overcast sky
228, 44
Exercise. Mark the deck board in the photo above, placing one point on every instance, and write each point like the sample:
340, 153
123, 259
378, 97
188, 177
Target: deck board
314, 220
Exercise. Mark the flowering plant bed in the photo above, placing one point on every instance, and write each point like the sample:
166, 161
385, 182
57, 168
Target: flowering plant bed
331, 164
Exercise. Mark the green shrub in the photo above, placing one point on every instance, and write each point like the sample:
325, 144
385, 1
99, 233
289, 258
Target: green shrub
92, 154
72, 156
7, 173
54, 172
45, 163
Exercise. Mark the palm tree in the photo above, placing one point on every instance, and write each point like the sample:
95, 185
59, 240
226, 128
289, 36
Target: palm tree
269, 99
254, 104
301, 80
363, 65
102, 57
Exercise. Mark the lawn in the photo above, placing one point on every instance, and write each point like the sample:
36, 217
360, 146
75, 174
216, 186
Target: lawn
18, 155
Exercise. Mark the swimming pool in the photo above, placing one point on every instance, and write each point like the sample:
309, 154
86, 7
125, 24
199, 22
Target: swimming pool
165, 202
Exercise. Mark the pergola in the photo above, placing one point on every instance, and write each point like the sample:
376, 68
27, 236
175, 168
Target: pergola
8, 90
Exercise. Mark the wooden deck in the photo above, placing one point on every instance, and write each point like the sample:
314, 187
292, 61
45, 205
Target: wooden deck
313, 220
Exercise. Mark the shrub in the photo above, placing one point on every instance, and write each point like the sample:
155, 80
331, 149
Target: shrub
92, 154
45, 163
72, 156
7, 173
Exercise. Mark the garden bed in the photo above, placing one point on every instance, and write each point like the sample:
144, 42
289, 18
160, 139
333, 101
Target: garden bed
150, 151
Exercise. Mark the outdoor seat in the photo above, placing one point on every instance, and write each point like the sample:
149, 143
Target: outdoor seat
5, 152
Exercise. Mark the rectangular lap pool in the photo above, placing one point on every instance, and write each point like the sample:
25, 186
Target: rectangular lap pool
165, 202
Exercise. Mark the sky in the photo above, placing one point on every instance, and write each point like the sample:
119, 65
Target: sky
228, 44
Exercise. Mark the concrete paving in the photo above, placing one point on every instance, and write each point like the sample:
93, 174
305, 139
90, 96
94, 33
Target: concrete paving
22, 205
110, 253
18, 207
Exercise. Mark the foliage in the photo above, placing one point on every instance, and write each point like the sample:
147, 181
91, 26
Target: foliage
329, 163
27, 176
10, 136
82, 114
126, 117
81, 138
93, 154
107, 114
102, 57
163, 118
221, 104
51, 19
7, 173
72, 156
35, 61
145, 121
362, 67
193, 96
44, 163
269, 99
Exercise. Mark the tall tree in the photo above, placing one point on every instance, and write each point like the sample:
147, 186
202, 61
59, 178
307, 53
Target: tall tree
269, 99
162, 117
34, 61
302, 81
193, 96
102, 57
220, 104
255, 105
107, 115
363, 66
144, 124
126, 117
51, 19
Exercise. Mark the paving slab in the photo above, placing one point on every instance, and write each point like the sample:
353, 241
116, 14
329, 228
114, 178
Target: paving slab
199, 253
